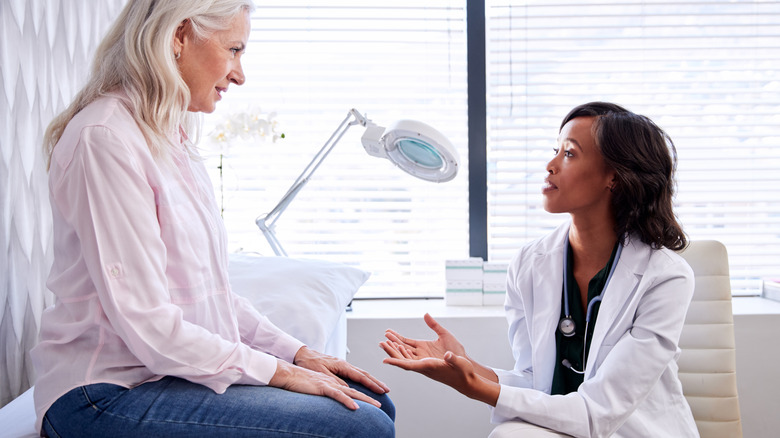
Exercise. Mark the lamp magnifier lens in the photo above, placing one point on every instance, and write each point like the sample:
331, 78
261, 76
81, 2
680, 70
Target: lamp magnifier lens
420, 153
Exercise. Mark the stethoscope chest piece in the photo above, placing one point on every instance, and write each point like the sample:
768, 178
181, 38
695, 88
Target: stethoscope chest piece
566, 326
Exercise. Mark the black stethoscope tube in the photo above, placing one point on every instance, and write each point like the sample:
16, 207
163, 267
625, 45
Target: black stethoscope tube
566, 324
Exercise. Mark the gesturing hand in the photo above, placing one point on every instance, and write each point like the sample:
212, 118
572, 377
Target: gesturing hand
452, 370
418, 349
443, 360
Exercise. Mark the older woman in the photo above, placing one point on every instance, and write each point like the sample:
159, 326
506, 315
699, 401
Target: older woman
596, 308
146, 337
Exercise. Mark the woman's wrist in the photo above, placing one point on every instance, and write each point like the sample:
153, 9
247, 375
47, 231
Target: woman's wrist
483, 371
281, 375
301, 354
487, 391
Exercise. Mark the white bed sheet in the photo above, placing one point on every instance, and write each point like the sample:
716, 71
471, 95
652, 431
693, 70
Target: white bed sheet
17, 419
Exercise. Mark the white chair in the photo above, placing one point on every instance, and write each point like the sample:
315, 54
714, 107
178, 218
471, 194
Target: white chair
520, 429
708, 360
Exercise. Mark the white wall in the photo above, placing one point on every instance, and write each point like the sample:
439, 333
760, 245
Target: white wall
46, 47
429, 409
758, 381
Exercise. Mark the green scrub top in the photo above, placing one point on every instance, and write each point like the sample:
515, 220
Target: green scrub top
564, 379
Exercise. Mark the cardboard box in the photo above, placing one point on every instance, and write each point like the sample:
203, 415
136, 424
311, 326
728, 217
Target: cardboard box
771, 290
463, 293
469, 269
494, 272
493, 294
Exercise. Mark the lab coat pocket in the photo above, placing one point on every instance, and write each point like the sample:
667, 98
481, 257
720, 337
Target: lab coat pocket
604, 348
601, 354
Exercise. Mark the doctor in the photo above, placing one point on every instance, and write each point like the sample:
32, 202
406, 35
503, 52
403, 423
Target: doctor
595, 309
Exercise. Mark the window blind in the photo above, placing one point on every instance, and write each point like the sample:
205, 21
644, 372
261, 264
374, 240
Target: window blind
311, 62
707, 72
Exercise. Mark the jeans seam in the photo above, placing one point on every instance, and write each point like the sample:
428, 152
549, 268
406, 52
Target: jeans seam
46, 420
91, 403
188, 423
216, 425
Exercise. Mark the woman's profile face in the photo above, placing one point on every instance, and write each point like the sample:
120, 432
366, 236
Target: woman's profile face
208, 66
578, 179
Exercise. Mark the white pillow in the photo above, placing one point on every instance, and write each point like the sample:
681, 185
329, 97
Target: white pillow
305, 298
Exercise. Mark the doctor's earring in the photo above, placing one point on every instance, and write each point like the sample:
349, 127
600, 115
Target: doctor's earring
613, 184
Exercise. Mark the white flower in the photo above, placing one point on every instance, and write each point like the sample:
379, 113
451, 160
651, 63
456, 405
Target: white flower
245, 125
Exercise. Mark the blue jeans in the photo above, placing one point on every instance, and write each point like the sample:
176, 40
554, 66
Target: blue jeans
174, 407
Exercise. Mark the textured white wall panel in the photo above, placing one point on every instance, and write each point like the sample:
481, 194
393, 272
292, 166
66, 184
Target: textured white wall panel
46, 49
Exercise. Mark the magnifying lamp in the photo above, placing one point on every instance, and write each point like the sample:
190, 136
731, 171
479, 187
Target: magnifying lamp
414, 147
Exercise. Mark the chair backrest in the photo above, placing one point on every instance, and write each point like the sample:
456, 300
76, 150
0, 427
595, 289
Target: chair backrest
708, 360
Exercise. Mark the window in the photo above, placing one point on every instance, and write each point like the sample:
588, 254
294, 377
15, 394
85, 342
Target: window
312, 62
706, 72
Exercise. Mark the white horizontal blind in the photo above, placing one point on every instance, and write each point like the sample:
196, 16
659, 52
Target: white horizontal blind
708, 72
312, 62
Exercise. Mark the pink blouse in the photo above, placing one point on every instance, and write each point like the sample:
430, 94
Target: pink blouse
140, 270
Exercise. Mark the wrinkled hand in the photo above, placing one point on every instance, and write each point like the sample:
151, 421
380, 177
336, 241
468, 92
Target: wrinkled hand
418, 349
337, 368
297, 379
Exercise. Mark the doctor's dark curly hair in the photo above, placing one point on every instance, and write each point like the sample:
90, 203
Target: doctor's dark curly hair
644, 160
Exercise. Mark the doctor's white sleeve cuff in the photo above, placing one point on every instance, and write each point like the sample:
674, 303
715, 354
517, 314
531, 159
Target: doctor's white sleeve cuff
513, 378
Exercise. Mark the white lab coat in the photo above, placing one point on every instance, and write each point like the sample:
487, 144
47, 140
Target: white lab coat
630, 387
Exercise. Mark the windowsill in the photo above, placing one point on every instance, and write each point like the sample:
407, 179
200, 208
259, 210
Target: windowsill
416, 308
405, 309
754, 306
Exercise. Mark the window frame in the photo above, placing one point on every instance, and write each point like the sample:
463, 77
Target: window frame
477, 126
479, 213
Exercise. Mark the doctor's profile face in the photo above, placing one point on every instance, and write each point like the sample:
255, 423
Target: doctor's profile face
578, 179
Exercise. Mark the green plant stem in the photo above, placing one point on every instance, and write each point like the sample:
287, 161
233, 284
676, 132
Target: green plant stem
221, 190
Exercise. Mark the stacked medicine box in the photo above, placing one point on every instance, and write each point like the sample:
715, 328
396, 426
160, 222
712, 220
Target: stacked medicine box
473, 282
494, 283
464, 282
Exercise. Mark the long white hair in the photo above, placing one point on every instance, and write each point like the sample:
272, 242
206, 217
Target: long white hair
136, 57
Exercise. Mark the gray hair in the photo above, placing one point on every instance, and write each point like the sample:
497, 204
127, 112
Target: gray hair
136, 56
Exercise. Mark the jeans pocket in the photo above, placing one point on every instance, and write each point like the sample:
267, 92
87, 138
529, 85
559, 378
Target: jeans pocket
68, 414
100, 395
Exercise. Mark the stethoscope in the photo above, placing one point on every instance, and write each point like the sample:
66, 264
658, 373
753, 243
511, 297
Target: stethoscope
566, 325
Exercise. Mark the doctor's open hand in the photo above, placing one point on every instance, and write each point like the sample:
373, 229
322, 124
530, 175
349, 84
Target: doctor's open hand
444, 360
455, 371
417, 349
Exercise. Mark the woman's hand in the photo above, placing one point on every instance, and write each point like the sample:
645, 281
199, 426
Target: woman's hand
416, 349
400, 347
297, 379
455, 371
337, 368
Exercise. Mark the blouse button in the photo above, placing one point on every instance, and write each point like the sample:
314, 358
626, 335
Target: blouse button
114, 271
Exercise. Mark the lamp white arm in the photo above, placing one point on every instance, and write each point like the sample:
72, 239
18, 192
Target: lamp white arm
267, 221
414, 147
